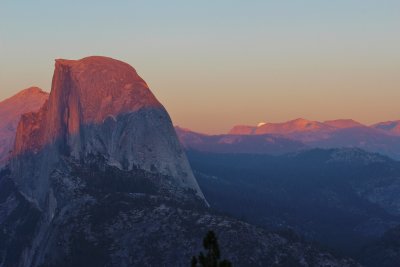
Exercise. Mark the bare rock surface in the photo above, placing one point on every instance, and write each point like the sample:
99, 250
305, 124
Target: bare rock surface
11, 110
98, 105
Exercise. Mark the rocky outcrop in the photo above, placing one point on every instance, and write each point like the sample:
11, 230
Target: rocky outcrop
11, 110
87, 92
98, 106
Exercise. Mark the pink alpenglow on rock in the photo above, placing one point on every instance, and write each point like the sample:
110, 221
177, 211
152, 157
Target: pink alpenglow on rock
101, 106
282, 128
85, 91
11, 110
297, 125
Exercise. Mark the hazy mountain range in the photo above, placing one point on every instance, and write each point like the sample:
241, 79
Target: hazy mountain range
299, 134
302, 125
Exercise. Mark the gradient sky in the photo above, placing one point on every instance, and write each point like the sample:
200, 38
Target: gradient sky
214, 64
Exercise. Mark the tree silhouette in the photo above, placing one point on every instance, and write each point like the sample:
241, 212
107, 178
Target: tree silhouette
212, 256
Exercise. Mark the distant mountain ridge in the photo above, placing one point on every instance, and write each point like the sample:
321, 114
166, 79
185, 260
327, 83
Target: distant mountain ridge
392, 127
299, 134
258, 144
303, 125
343, 123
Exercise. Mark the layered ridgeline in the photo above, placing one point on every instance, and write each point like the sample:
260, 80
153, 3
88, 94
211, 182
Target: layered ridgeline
99, 178
342, 198
234, 143
392, 127
298, 134
11, 109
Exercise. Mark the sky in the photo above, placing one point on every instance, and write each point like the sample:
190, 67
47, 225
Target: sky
215, 64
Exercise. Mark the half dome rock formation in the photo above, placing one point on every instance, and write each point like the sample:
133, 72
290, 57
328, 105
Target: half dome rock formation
85, 92
98, 106
11, 109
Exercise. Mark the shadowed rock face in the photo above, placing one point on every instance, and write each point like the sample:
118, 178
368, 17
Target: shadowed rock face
86, 92
98, 105
11, 109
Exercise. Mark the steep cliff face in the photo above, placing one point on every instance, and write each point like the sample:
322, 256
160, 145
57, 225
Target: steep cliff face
98, 106
86, 92
11, 110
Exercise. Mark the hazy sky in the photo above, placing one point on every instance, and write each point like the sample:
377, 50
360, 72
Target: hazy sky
218, 63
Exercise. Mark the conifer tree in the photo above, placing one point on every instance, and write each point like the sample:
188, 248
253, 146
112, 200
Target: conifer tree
212, 256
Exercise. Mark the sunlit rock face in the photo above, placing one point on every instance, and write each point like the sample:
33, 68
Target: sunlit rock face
11, 109
98, 106
86, 92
